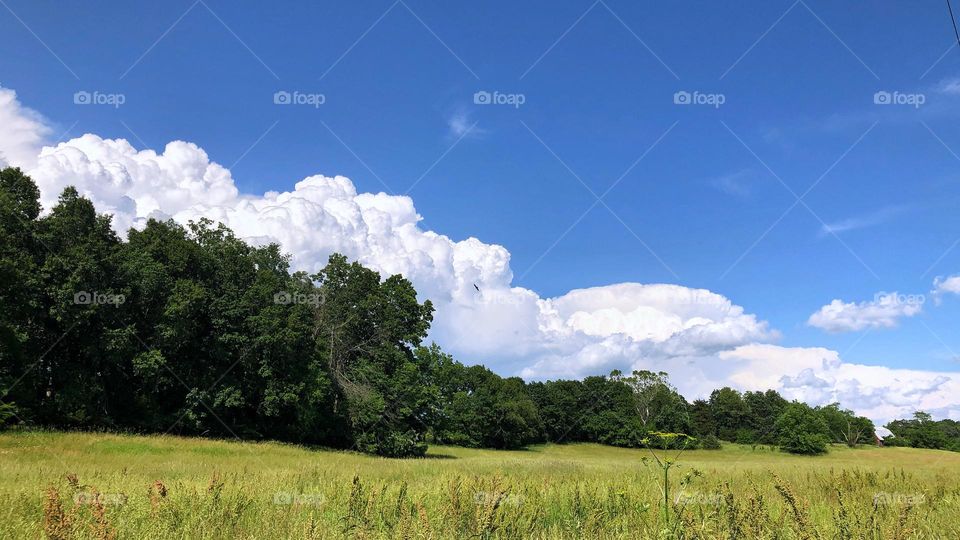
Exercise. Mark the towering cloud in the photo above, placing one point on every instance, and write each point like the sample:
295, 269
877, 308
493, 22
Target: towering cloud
22, 131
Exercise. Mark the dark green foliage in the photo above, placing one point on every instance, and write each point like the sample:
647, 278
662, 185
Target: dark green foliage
710, 442
614, 410
801, 430
607, 413
763, 410
20, 316
745, 436
922, 431
367, 330
701, 419
192, 330
8, 413
730, 412
656, 402
561, 405
597, 409
478, 408
843, 426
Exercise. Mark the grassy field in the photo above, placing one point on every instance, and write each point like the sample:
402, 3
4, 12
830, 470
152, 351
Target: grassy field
73, 485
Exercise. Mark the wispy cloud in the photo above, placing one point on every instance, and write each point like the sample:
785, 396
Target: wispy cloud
861, 222
460, 125
934, 101
736, 183
949, 86
945, 285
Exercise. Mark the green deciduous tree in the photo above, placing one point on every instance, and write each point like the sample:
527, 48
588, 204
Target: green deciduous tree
846, 427
478, 408
192, 330
801, 430
729, 411
922, 431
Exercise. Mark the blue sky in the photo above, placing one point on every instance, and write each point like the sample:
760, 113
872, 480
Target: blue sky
707, 204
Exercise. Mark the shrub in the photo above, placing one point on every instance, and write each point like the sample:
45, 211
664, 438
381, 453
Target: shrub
392, 444
710, 442
669, 441
800, 430
746, 436
7, 413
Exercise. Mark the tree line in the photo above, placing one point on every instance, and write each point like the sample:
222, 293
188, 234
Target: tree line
191, 330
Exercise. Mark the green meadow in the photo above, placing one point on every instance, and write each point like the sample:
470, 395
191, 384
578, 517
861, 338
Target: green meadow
91, 485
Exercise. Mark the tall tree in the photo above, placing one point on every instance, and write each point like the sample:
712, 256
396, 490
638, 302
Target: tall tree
83, 297
763, 410
21, 316
367, 330
729, 411
846, 427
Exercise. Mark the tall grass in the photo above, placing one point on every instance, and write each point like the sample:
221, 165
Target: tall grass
55, 485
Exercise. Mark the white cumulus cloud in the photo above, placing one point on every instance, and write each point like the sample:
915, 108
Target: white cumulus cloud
884, 311
22, 131
945, 285
877, 392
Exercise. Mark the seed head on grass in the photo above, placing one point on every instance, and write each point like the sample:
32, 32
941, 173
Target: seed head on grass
903, 531
842, 518
101, 527
215, 486
157, 492
798, 509
57, 524
73, 481
425, 529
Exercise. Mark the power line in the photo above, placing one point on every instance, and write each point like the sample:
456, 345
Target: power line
954, 21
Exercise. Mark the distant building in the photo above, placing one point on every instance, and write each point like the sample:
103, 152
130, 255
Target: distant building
882, 434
